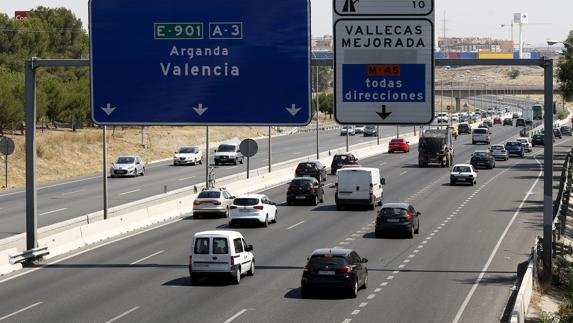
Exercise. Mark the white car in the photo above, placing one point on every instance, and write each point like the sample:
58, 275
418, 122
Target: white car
359, 128
188, 155
253, 208
463, 173
127, 166
350, 129
499, 152
220, 253
524, 141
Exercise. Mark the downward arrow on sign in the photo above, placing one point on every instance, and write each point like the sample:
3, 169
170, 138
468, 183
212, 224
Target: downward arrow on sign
384, 114
108, 109
293, 110
200, 109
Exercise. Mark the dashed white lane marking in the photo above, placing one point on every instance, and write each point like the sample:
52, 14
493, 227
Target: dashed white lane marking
349, 239
377, 290
343, 243
186, 178
124, 193
295, 225
72, 192
390, 277
371, 296
19, 311
424, 242
54, 211
411, 256
145, 258
230, 319
416, 251
384, 284
355, 312
420, 246
396, 272
123, 314
432, 234
401, 266
297, 153
355, 235
406, 261
363, 304
402, 173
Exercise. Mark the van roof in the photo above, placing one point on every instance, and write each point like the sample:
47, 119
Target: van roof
218, 233
358, 169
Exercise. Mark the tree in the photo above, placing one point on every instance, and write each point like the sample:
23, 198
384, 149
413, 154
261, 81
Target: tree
325, 78
565, 70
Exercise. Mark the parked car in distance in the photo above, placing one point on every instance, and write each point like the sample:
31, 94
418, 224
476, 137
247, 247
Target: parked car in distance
398, 144
359, 129
254, 208
480, 135
508, 122
358, 187
496, 120
305, 190
334, 268
340, 160
499, 152
524, 141
557, 133
370, 131
188, 156
312, 169
220, 253
565, 130
520, 122
127, 166
228, 152
514, 148
401, 217
463, 173
538, 139
350, 130
464, 128
482, 158
213, 201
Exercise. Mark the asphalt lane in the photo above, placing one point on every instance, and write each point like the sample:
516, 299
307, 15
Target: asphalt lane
104, 285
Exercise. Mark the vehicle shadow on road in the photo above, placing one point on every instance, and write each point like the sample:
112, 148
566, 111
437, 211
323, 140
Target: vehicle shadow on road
504, 280
295, 293
185, 281
385, 236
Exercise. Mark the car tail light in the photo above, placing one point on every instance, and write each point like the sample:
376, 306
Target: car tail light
408, 216
232, 261
216, 202
233, 207
196, 202
346, 269
311, 189
308, 269
289, 190
258, 207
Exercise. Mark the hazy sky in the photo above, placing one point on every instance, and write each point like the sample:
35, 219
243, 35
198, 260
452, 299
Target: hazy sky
549, 19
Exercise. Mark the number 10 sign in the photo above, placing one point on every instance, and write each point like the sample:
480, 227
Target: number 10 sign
383, 7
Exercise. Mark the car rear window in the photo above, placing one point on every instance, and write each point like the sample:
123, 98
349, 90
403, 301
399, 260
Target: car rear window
246, 201
481, 154
327, 260
300, 183
209, 195
220, 246
392, 212
201, 246
397, 140
340, 157
302, 166
480, 131
461, 169
509, 144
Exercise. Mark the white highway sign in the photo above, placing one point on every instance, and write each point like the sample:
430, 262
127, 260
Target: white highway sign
383, 7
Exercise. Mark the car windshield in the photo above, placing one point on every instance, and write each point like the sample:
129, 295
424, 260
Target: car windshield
209, 195
125, 160
462, 169
392, 212
370, 128
226, 148
246, 201
187, 150
326, 260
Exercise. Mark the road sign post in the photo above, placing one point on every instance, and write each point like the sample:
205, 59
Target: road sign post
384, 62
213, 62
6, 148
248, 148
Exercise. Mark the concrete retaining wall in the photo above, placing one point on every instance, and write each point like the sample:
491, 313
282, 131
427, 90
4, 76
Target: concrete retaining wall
523, 296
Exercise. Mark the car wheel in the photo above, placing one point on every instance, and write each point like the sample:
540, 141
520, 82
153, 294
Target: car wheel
232, 224
417, 231
241, 161
143, 172
338, 207
251, 271
354, 290
236, 276
289, 203
365, 285
377, 234
315, 202
411, 232
174, 164
194, 280
275, 219
227, 213
322, 199
266, 223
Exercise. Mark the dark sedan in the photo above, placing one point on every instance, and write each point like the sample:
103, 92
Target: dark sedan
483, 158
397, 217
305, 190
565, 130
312, 169
340, 160
520, 122
370, 131
334, 269
557, 133
508, 122
514, 148
537, 140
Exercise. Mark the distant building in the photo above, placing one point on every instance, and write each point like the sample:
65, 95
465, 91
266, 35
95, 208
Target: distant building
474, 44
21, 15
322, 43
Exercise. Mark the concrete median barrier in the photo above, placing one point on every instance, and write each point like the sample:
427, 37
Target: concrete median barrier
63, 242
5, 266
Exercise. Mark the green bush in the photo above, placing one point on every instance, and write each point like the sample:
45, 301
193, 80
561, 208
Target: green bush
513, 73
562, 115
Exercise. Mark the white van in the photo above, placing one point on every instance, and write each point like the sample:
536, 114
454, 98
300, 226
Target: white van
480, 135
228, 152
358, 186
220, 253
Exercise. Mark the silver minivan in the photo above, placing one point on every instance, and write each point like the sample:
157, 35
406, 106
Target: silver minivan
228, 152
480, 135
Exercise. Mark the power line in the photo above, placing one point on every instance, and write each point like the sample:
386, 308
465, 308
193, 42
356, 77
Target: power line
41, 31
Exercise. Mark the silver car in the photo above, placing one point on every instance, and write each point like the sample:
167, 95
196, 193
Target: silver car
213, 201
524, 141
499, 152
127, 166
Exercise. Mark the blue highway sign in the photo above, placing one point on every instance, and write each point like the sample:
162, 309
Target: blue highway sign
214, 62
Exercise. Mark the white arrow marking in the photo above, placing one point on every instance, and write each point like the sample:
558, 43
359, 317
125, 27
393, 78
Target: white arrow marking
199, 109
293, 110
108, 109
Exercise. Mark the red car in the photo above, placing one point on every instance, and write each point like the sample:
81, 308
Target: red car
497, 120
398, 144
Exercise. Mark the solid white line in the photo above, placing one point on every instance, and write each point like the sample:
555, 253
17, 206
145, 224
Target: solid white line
145, 258
480, 277
122, 315
295, 225
186, 178
19, 311
54, 211
230, 319
124, 193
73, 192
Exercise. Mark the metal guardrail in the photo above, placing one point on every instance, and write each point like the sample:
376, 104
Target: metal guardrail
29, 255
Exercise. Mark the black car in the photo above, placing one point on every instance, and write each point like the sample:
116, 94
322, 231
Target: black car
312, 169
508, 122
520, 122
488, 123
397, 217
565, 130
340, 160
482, 158
557, 133
370, 131
340, 269
305, 190
537, 140
464, 128
515, 116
